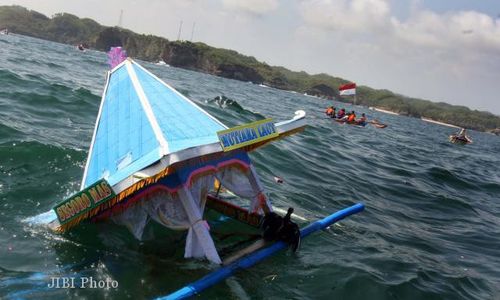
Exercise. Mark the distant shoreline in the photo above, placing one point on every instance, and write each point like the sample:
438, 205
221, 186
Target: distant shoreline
422, 118
385, 111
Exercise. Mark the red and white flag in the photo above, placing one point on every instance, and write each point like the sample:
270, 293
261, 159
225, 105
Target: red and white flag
347, 89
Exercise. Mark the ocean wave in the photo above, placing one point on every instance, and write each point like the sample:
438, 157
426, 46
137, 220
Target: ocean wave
431, 284
34, 150
8, 77
8, 133
450, 178
224, 102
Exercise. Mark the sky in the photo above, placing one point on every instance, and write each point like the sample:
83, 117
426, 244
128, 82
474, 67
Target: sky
440, 50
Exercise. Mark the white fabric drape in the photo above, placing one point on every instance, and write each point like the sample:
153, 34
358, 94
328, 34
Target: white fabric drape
161, 206
134, 218
236, 180
183, 209
166, 209
170, 210
244, 184
198, 241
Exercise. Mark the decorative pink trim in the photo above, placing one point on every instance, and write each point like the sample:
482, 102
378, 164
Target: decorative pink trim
121, 206
229, 162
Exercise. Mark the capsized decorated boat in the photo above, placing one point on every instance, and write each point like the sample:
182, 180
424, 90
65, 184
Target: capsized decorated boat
156, 155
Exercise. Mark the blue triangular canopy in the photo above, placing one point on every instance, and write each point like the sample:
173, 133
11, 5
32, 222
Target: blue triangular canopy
142, 119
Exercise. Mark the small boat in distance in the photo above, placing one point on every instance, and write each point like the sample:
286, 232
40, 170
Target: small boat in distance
455, 139
460, 138
162, 63
81, 47
4, 31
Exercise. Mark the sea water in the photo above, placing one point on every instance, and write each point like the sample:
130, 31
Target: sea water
430, 230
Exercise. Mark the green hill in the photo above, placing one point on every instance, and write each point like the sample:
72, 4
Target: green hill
69, 29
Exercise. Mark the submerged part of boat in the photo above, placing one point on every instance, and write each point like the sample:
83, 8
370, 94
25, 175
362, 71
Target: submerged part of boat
254, 257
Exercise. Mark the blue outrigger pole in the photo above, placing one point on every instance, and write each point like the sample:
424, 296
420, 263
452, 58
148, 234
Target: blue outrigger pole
253, 258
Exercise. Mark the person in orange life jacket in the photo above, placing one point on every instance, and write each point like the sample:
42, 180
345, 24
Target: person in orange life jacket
361, 121
341, 114
330, 111
352, 117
